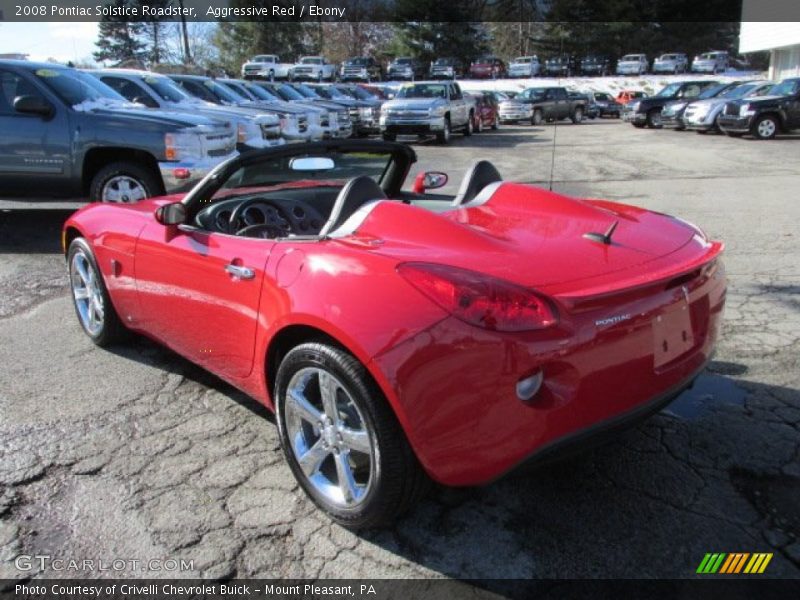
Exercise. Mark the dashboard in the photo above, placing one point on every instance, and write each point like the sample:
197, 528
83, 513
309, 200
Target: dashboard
277, 216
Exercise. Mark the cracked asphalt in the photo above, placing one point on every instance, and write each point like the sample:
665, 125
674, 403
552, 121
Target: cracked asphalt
134, 453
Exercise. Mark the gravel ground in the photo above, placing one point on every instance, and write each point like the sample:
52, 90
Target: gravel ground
134, 453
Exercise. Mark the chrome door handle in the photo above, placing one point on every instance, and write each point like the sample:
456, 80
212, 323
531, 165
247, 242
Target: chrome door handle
240, 272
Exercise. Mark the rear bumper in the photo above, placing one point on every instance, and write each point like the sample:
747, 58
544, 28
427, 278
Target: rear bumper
454, 387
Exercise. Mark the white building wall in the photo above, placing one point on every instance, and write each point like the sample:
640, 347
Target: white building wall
767, 35
784, 62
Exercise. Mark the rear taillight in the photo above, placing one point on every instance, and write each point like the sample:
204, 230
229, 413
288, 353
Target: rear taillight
480, 300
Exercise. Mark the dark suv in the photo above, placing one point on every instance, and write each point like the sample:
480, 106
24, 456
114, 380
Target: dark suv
764, 117
560, 66
361, 68
647, 111
595, 65
406, 68
446, 68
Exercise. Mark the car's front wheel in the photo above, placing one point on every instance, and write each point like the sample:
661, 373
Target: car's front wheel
341, 438
577, 116
537, 118
654, 119
766, 127
124, 182
93, 306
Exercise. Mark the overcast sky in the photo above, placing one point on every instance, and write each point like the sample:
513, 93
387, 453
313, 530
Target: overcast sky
62, 41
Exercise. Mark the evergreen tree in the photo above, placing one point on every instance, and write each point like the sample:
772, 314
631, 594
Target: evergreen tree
119, 41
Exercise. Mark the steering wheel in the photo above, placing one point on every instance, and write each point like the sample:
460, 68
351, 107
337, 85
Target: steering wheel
236, 215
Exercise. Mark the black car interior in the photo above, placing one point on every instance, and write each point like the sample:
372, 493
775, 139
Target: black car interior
312, 208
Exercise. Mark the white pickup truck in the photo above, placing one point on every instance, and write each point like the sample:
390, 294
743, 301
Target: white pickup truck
428, 108
267, 66
314, 68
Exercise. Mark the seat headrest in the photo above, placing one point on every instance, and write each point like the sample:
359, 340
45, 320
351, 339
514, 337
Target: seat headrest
355, 193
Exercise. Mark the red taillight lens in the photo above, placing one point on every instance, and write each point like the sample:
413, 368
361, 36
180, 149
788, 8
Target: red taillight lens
478, 299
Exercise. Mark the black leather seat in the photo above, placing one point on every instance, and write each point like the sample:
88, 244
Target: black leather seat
481, 174
355, 193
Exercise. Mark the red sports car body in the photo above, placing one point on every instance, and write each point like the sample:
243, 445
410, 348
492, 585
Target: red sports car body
485, 328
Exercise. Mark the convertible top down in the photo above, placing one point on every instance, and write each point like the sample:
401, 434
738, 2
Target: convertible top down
403, 335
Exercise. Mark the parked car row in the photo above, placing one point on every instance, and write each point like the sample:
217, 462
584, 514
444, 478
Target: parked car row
758, 108
123, 135
366, 69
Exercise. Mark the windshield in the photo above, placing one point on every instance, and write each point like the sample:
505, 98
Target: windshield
287, 92
629, 57
262, 58
311, 61
76, 87
443, 62
362, 94
785, 88
307, 92
167, 90
714, 91
670, 90
423, 90
522, 60
222, 92
277, 172
602, 97
403, 61
533, 93
590, 59
260, 93
237, 88
356, 61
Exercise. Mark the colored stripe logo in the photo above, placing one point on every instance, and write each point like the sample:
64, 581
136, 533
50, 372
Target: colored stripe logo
734, 563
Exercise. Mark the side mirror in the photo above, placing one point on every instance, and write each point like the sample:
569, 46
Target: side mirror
171, 214
33, 105
429, 180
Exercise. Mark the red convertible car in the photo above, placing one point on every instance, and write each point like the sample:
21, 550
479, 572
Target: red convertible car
402, 336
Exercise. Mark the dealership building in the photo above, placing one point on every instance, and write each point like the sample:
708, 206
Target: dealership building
780, 38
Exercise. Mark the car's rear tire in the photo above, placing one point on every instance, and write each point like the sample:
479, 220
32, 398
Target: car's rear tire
478, 124
93, 307
443, 137
654, 119
496, 123
124, 182
766, 127
577, 116
342, 440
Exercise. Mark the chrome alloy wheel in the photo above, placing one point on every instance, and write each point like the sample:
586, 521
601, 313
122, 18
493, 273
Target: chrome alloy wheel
87, 293
329, 437
123, 189
766, 128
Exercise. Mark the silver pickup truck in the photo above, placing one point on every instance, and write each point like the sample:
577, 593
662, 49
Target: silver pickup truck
427, 108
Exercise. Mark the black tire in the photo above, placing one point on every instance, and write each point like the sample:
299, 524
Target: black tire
112, 330
577, 115
398, 480
496, 123
766, 127
478, 125
271, 75
389, 137
538, 117
638, 125
149, 180
654, 119
470, 126
444, 136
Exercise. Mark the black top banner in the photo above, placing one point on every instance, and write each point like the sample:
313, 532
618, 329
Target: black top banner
399, 10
